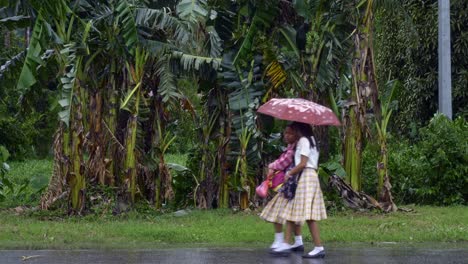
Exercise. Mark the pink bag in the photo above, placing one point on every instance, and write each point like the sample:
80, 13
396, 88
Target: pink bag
277, 181
262, 189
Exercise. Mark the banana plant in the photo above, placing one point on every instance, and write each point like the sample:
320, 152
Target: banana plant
241, 170
164, 190
384, 186
136, 72
364, 90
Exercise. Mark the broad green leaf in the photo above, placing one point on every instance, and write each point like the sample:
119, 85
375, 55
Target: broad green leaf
289, 35
130, 95
192, 10
301, 8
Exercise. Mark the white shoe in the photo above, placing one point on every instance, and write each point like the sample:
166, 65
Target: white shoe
283, 247
275, 245
283, 250
316, 253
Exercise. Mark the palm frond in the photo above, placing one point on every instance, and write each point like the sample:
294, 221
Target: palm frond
12, 66
262, 18
215, 42
68, 81
127, 19
52, 9
162, 20
192, 10
28, 74
288, 39
224, 24
167, 86
193, 62
156, 47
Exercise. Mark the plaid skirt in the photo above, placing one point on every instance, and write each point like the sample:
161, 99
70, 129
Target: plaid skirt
272, 210
308, 202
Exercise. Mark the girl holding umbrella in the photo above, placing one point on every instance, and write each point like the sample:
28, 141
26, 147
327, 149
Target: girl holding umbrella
307, 204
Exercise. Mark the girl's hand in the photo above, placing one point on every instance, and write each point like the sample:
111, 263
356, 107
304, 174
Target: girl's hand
270, 172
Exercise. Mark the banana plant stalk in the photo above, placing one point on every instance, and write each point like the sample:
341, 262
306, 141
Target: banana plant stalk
222, 166
110, 121
384, 186
242, 168
136, 73
163, 188
364, 87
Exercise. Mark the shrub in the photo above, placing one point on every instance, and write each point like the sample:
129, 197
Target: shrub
435, 169
4, 183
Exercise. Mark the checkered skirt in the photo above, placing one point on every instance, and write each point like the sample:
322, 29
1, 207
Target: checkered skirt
308, 202
272, 210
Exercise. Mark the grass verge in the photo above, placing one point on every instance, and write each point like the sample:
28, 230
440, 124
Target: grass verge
223, 228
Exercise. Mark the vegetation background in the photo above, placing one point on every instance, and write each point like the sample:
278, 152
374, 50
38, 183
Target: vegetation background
110, 105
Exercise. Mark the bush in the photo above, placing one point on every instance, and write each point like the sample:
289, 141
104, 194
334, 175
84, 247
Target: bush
369, 177
435, 169
14, 138
4, 183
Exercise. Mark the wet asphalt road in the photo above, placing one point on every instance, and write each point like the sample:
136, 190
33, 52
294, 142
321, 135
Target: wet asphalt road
366, 254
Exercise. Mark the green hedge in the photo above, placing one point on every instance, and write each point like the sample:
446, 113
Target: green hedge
434, 170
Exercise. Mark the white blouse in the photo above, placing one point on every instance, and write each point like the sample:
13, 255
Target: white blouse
303, 148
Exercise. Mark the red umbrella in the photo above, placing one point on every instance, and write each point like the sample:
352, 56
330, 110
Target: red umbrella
300, 110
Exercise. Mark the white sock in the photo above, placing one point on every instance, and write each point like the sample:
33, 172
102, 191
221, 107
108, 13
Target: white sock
298, 241
316, 250
279, 237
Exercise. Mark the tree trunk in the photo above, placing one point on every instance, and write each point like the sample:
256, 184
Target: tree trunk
77, 180
364, 88
223, 164
58, 179
130, 159
115, 148
95, 142
353, 149
384, 186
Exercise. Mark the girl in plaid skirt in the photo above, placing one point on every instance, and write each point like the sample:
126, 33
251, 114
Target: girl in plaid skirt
307, 204
273, 209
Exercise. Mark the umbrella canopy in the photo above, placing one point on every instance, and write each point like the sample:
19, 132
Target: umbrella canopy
300, 110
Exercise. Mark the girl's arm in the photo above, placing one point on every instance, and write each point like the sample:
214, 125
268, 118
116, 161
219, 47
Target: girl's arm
298, 168
284, 161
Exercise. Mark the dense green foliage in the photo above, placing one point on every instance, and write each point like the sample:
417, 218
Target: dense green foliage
27, 180
4, 167
433, 170
406, 49
124, 83
27, 121
430, 169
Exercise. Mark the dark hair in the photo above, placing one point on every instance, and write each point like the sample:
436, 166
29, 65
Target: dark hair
305, 130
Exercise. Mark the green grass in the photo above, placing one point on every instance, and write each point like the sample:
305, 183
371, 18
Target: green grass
223, 228
37, 171
35, 174
204, 228
176, 158
28, 179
